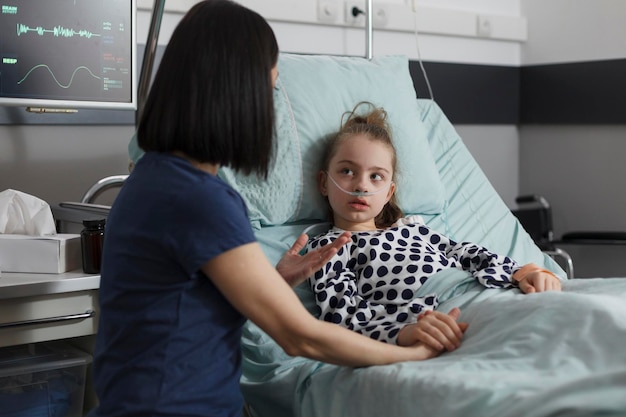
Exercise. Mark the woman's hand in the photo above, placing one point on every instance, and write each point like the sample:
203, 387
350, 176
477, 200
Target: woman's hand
295, 268
531, 278
436, 330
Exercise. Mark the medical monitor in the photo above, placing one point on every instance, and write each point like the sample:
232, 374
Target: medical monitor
68, 54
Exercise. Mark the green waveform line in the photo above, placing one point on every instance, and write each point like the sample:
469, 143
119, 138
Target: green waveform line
55, 78
56, 31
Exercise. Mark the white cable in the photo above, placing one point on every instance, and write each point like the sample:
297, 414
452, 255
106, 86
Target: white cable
355, 193
419, 55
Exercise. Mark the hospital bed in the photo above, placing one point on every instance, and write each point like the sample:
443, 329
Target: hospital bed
547, 354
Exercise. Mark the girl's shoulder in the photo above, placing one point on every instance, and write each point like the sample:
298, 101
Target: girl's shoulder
322, 239
322, 234
409, 220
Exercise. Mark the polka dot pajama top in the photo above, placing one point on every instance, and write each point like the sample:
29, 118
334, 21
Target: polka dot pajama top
369, 285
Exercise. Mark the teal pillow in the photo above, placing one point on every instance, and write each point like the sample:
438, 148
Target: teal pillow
275, 200
321, 89
312, 94
134, 151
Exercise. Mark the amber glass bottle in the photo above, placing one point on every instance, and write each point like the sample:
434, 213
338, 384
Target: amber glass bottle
92, 239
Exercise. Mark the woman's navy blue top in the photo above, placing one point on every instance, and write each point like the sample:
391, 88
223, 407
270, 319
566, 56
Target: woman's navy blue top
168, 342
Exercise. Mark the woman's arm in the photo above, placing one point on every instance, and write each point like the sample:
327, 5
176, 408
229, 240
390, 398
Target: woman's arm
254, 287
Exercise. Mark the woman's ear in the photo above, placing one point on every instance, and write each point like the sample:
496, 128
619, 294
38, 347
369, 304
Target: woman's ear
321, 183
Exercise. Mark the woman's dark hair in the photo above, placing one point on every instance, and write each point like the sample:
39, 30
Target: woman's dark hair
212, 96
374, 125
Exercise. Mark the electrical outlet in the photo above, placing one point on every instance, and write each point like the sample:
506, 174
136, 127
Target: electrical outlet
483, 26
355, 12
327, 11
380, 16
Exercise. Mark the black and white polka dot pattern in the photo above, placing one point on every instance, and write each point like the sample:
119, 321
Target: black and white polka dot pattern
370, 285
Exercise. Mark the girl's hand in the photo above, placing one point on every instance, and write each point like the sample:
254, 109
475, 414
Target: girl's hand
436, 330
532, 278
295, 268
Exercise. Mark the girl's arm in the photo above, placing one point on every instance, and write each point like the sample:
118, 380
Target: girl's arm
490, 269
532, 278
496, 271
436, 329
250, 283
340, 302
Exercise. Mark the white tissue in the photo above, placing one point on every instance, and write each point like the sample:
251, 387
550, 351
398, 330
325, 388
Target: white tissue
24, 214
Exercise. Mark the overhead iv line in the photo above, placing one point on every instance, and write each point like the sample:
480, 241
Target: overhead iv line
356, 193
419, 54
355, 11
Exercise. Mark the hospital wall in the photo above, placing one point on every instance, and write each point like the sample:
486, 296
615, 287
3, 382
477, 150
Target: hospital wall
59, 162
572, 147
576, 166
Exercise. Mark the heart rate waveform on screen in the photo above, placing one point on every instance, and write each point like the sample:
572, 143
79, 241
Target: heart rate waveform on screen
66, 86
57, 31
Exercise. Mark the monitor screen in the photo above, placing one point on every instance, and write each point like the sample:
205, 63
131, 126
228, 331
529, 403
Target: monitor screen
67, 54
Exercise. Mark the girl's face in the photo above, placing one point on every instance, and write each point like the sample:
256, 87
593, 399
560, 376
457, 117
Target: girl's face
360, 164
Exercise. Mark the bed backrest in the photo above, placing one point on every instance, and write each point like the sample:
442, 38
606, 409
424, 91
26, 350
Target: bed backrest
438, 177
473, 209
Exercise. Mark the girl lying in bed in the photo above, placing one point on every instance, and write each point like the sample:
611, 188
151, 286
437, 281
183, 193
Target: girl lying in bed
369, 285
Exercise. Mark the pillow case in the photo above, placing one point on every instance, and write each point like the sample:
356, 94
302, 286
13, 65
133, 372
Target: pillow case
275, 200
312, 94
322, 88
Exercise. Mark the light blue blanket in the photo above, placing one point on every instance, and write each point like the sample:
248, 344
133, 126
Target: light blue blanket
522, 355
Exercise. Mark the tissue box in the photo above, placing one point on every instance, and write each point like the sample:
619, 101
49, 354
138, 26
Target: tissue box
44, 254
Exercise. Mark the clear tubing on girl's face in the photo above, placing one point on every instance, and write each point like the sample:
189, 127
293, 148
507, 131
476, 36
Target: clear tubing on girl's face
356, 193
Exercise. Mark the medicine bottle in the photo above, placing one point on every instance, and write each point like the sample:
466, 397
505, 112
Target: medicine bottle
92, 239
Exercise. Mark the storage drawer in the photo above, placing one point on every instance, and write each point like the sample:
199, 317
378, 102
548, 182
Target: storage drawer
43, 379
48, 317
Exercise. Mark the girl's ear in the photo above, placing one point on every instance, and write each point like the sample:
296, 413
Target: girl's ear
392, 189
321, 183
